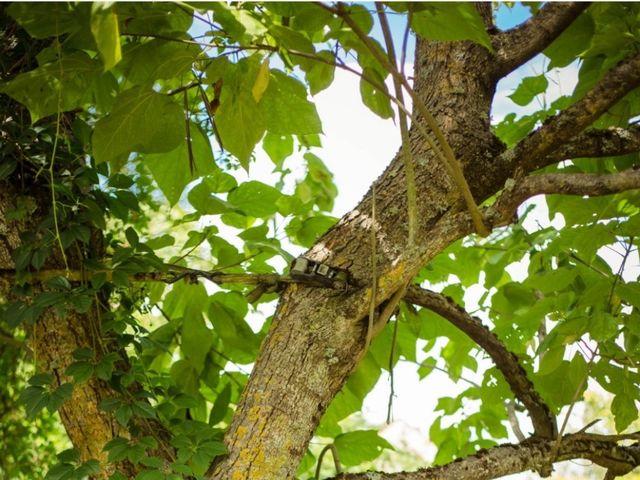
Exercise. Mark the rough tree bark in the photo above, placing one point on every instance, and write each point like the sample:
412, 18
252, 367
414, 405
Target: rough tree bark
318, 336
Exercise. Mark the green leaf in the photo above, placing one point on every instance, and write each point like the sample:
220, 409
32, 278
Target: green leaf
104, 27
117, 449
377, 100
286, 109
62, 471
61, 85
197, 339
205, 202
45, 19
241, 125
226, 313
528, 89
172, 171
220, 406
255, 199
573, 41
59, 396
307, 232
150, 475
70, 455
80, 371
155, 18
41, 379
141, 121
34, 400
290, 39
360, 446
629, 292
143, 409
624, 410
123, 414
320, 74
451, 22
278, 147
159, 60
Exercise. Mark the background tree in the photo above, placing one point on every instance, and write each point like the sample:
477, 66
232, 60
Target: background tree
107, 106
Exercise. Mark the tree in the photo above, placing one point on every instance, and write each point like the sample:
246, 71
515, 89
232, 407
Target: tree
106, 106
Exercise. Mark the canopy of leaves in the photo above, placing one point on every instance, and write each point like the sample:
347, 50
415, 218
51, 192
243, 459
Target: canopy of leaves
168, 107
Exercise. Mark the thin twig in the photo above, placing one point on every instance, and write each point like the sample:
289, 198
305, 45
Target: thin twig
407, 157
392, 353
336, 460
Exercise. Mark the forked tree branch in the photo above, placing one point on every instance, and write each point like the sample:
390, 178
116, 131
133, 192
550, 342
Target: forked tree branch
594, 143
518, 45
528, 455
544, 423
529, 154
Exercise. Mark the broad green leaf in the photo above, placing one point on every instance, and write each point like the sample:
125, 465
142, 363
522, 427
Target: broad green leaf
528, 89
262, 81
630, 293
574, 40
197, 339
310, 17
172, 170
451, 22
290, 39
141, 121
241, 125
552, 281
624, 410
564, 384
360, 446
377, 99
255, 199
45, 19
239, 23
361, 16
320, 74
286, 9
306, 232
512, 130
220, 182
181, 295
286, 109
154, 19
57, 86
226, 313
278, 147
104, 26
159, 60
201, 198
220, 406
80, 371
61, 471
34, 400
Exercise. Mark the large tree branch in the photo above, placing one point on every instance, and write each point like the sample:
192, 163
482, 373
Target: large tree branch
503, 210
528, 455
598, 143
518, 45
530, 153
544, 423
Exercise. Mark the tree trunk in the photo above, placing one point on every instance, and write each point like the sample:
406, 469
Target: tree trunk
317, 337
